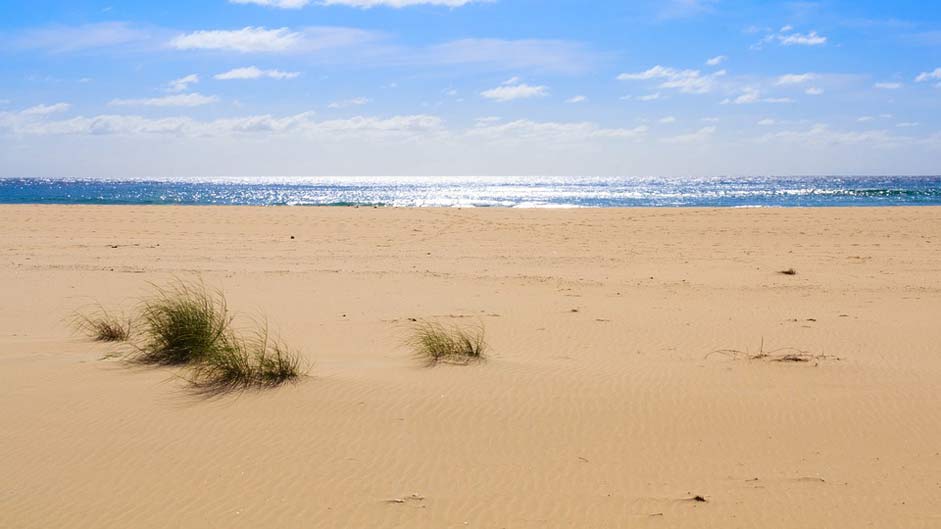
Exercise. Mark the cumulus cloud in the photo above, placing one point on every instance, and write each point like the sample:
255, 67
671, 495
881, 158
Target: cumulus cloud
247, 39
45, 110
788, 37
280, 4
767, 122
795, 78
929, 76
302, 124
353, 102
814, 91
252, 72
181, 100
513, 89
183, 83
576, 99
888, 86
751, 95
687, 81
525, 129
798, 39
668, 119
716, 61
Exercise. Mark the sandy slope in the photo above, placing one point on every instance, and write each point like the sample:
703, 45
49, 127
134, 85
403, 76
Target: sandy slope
612, 416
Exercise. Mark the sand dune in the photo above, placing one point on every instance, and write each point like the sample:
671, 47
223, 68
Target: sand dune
600, 406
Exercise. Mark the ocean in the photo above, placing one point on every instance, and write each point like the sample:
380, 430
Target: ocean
559, 192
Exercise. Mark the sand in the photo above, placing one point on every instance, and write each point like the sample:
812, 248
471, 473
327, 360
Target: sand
600, 406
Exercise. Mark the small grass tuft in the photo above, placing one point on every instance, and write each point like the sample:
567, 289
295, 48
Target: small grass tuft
103, 326
788, 272
247, 363
436, 343
185, 323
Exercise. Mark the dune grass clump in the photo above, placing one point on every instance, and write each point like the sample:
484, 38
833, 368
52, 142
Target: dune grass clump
435, 343
247, 363
185, 323
103, 326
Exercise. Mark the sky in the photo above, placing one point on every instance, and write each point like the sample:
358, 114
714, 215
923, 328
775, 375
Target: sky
469, 87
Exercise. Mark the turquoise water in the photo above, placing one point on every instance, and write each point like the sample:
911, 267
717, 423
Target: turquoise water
759, 191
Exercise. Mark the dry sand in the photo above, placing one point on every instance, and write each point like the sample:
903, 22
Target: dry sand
612, 416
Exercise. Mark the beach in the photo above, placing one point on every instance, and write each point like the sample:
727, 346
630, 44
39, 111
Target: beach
639, 359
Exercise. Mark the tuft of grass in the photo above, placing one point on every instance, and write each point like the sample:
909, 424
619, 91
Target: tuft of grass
185, 323
788, 272
434, 343
103, 326
247, 363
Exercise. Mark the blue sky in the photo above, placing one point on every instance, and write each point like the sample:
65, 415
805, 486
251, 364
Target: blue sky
463, 87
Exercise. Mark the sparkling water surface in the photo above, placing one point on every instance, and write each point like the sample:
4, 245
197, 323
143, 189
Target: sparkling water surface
560, 192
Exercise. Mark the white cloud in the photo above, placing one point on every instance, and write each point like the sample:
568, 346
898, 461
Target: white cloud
716, 61
787, 37
366, 4
907, 124
687, 81
927, 76
700, 135
797, 39
353, 102
649, 97
525, 129
814, 91
252, 72
303, 124
795, 78
183, 83
751, 95
181, 100
668, 119
513, 89
280, 4
888, 86
767, 122
865, 119
45, 110
248, 39
576, 99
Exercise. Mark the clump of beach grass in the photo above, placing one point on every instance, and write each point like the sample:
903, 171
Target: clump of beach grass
435, 343
245, 363
185, 323
103, 326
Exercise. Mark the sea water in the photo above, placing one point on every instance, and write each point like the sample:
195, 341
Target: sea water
755, 191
